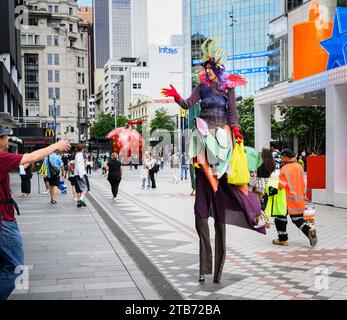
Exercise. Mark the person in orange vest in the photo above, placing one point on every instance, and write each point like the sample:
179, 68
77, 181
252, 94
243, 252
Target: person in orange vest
292, 180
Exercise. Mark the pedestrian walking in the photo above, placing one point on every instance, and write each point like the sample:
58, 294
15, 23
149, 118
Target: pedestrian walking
115, 171
82, 182
175, 166
89, 165
72, 179
11, 247
43, 173
292, 180
26, 176
144, 175
215, 197
184, 166
276, 153
264, 172
152, 170
55, 169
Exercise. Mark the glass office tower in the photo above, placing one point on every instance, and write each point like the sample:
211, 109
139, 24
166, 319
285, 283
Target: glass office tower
246, 41
120, 30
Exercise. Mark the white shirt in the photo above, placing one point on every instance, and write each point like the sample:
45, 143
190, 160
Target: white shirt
80, 169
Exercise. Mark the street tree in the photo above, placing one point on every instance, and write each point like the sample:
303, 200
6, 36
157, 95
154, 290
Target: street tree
162, 120
105, 123
307, 124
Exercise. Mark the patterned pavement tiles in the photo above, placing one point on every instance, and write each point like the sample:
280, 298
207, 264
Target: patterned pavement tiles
292, 273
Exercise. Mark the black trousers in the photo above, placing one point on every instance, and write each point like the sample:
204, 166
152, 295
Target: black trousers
114, 182
205, 250
281, 226
151, 176
26, 184
89, 170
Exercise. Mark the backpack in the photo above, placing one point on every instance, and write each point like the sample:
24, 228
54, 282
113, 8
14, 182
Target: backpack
8, 200
155, 168
54, 171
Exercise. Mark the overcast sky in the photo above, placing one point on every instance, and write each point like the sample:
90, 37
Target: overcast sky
164, 19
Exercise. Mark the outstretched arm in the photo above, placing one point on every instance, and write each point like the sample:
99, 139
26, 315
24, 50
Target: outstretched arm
183, 103
38, 155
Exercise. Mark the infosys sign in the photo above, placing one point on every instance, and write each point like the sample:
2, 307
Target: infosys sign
167, 50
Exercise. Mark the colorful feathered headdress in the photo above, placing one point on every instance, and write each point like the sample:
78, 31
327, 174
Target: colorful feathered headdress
212, 52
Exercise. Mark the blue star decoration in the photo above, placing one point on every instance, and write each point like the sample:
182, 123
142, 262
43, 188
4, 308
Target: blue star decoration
336, 46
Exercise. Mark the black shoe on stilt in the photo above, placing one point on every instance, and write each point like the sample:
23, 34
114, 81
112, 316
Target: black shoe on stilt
202, 278
215, 280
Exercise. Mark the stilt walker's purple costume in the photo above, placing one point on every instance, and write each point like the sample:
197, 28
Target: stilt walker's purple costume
226, 203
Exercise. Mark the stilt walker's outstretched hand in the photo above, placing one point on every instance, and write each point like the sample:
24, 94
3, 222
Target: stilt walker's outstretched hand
171, 93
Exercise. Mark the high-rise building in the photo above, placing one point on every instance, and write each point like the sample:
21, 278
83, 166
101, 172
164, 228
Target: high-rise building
10, 65
86, 14
243, 27
120, 30
55, 66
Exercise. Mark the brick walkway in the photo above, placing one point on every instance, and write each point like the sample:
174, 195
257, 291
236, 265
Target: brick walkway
72, 254
161, 223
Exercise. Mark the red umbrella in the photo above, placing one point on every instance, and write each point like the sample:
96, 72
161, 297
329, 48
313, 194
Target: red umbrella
126, 142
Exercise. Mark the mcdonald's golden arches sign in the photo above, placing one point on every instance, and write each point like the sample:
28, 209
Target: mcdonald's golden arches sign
48, 132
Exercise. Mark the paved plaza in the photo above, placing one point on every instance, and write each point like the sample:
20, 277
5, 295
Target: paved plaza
75, 254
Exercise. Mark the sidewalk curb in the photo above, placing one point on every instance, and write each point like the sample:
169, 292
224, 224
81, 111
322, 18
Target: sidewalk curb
157, 280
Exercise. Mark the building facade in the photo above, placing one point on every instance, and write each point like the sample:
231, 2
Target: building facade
86, 15
120, 30
55, 65
243, 27
11, 104
324, 83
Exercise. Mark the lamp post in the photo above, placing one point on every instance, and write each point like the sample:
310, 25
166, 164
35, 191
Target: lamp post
232, 25
55, 118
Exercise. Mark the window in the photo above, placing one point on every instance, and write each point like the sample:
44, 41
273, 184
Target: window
71, 27
56, 41
30, 39
50, 8
56, 9
33, 22
50, 58
79, 78
53, 93
57, 75
82, 78
56, 59
32, 93
51, 110
49, 41
50, 75
70, 11
71, 43
24, 39
37, 39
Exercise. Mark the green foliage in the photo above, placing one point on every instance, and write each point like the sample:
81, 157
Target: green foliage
306, 123
105, 123
162, 120
245, 108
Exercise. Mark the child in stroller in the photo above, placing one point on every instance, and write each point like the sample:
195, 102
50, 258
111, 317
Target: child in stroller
62, 187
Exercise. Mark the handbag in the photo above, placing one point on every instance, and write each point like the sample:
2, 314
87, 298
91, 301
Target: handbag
239, 174
260, 185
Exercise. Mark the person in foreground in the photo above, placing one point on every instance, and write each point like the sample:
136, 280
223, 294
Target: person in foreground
11, 248
211, 147
292, 180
